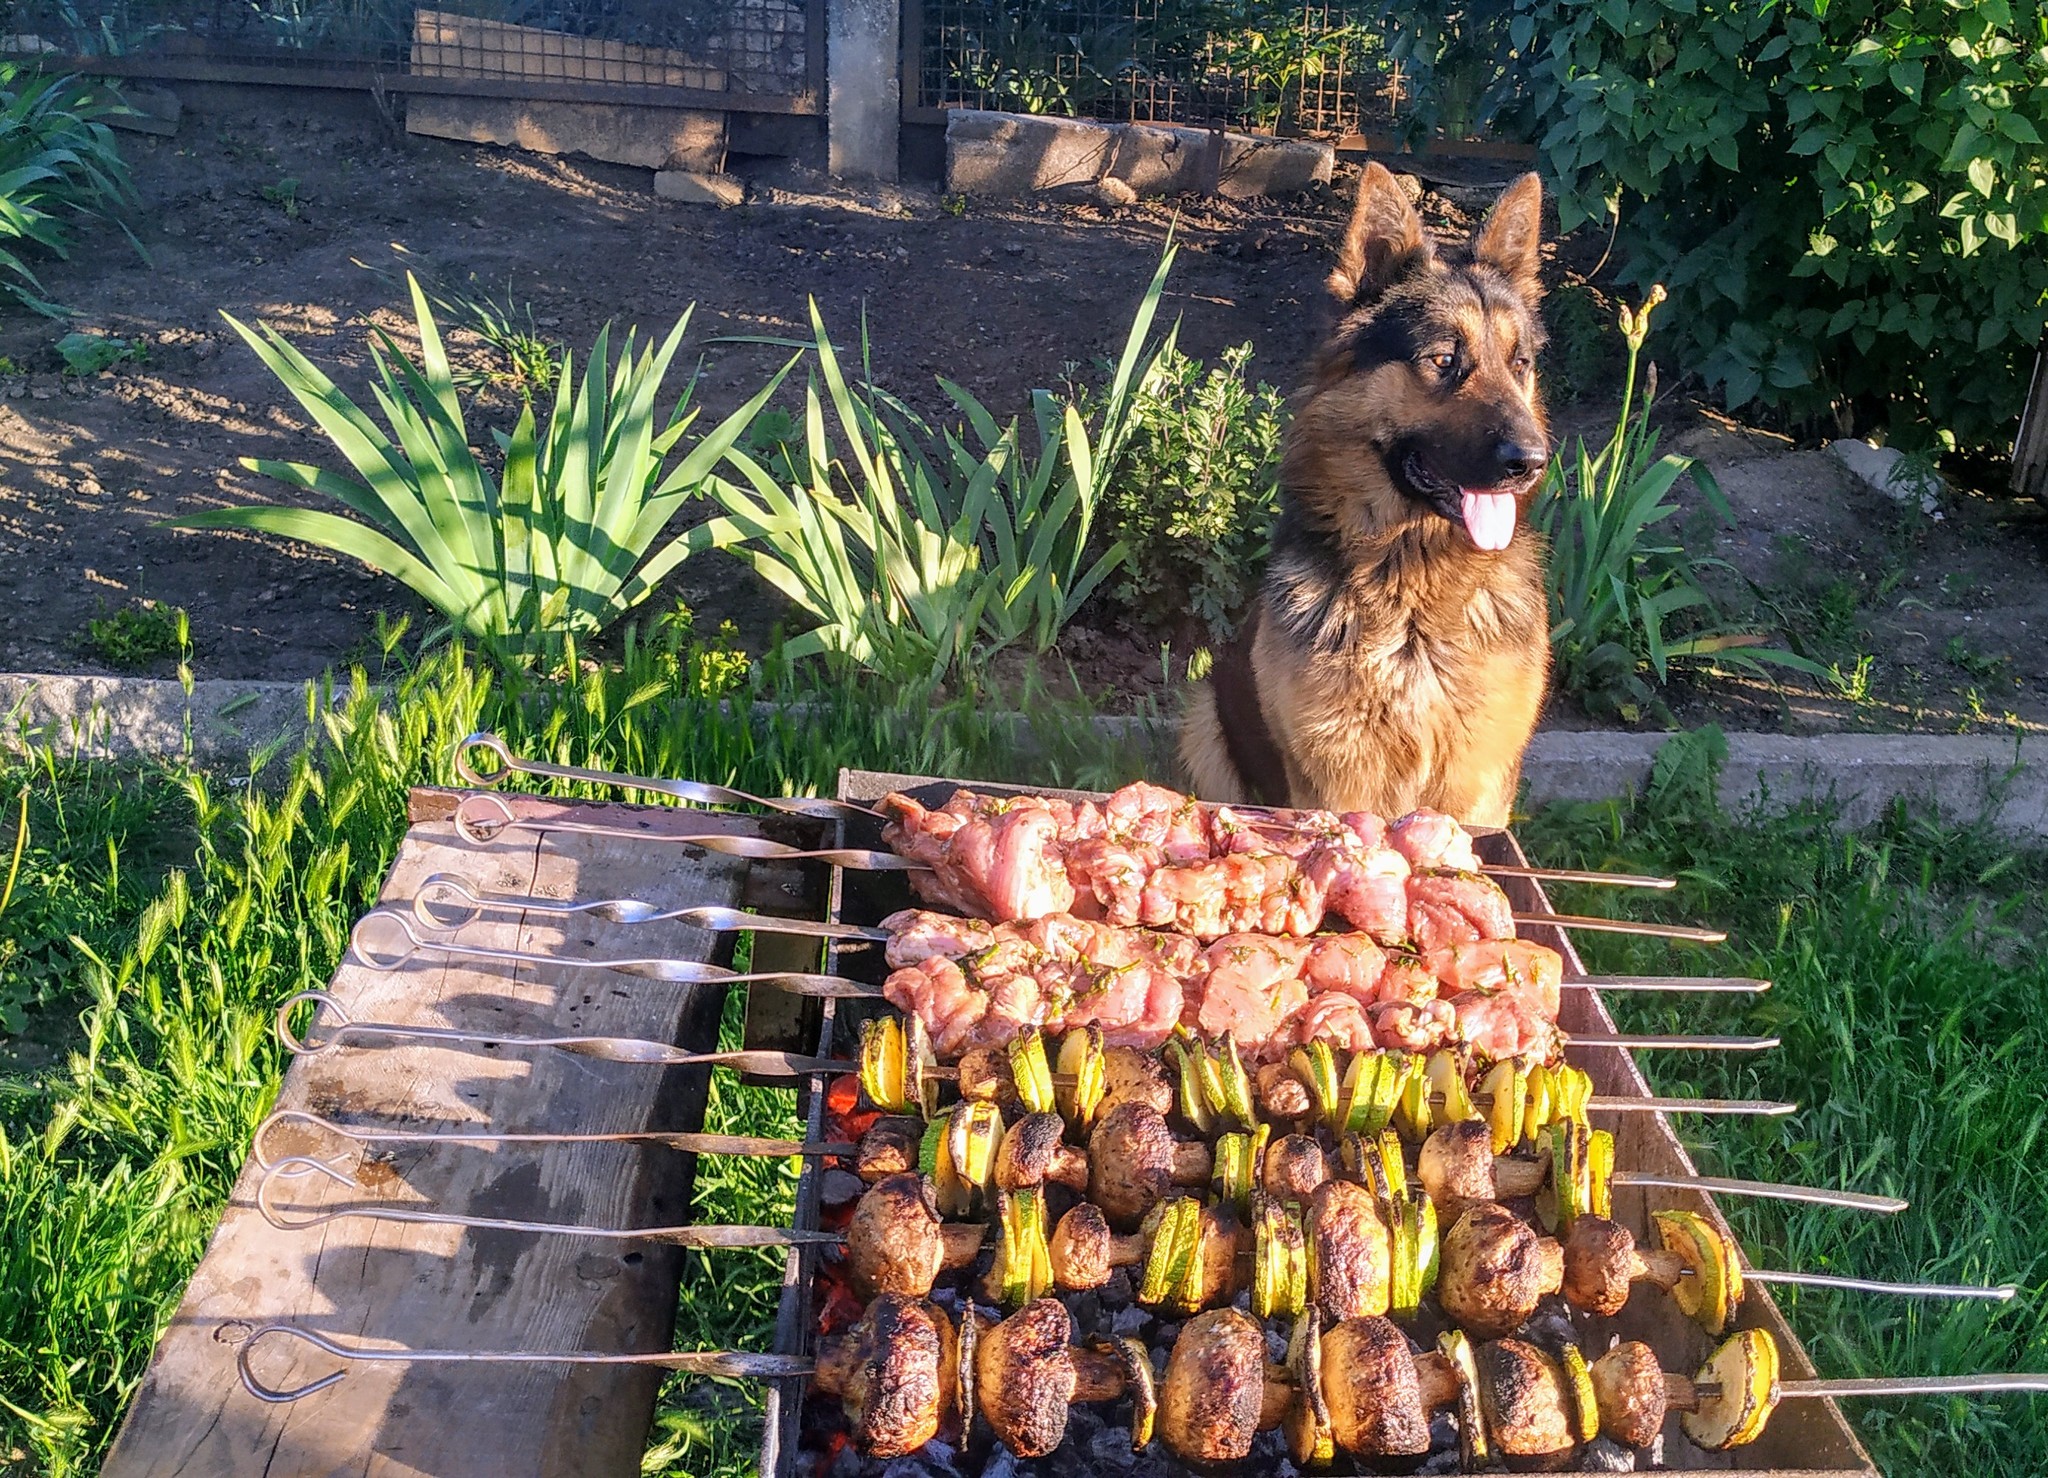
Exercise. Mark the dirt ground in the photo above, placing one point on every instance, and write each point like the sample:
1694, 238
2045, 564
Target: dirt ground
279, 214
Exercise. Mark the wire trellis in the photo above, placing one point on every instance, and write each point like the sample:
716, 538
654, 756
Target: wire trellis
1291, 66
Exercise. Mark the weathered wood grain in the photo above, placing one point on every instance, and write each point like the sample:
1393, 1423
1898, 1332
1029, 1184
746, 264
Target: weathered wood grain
418, 1286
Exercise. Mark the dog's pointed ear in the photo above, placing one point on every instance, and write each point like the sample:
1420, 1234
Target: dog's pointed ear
1511, 240
1383, 243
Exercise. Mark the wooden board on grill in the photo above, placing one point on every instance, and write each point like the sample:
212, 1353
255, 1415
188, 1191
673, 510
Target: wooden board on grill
434, 1286
1805, 1439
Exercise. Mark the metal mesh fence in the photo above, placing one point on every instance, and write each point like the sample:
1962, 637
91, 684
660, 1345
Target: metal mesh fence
740, 46
1294, 66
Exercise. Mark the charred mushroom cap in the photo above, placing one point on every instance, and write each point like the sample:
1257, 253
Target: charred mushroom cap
889, 1147
1214, 1397
892, 1373
1081, 1247
1294, 1168
1494, 1270
893, 1243
1350, 1264
1629, 1385
1370, 1386
1455, 1165
1281, 1094
1134, 1160
1033, 1151
1216, 1255
1522, 1391
985, 1074
1600, 1264
1024, 1377
1131, 1076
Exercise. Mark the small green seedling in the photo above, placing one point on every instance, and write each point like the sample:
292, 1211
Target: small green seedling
88, 354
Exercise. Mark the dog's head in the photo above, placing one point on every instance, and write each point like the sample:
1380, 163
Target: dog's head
1423, 410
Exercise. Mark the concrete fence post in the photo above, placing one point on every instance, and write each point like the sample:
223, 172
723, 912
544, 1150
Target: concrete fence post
863, 87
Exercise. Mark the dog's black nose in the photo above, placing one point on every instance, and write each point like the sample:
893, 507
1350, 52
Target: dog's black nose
1516, 460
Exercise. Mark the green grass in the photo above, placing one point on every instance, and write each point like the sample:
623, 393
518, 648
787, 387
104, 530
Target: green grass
158, 915
1909, 986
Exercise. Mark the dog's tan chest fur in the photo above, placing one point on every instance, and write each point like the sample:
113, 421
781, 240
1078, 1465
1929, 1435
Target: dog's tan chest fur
1431, 700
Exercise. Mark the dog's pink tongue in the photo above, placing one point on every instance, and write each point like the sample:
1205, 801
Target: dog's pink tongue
1489, 518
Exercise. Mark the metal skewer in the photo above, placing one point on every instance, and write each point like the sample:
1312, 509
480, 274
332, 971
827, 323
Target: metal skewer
1685, 933
446, 902
1998, 1293
698, 1235
694, 792
344, 1030
701, 794
692, 972
1764, 1190
738, 1363
699, 1144
484, 817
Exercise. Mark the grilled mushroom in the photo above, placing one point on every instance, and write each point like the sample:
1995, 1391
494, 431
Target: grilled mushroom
1134, 1160
896, 1242
1294, 1168
1217, 1396
1085, 1251
1131, 1076
1457, 1167
1371, 1385
1523, 1394
1494, 1270
1281, 1094
1350, 1266
889, 1147
1027, 1376
1632, 1392
893, 1373
1034, 1151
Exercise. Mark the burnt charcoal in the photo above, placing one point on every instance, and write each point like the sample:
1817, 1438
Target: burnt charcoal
1276, 1343
1109, 1450
1550, 1327
1605, 1456
1441, 1462
1119, 1290
952, 1300
847, 1464
840, 1188
1002, 1463
1087, 1311
1128, 1320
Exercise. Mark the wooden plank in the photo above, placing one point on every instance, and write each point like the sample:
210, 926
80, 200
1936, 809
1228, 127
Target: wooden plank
417, 1286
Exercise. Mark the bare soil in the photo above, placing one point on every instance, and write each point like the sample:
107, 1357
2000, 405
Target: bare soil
998, 298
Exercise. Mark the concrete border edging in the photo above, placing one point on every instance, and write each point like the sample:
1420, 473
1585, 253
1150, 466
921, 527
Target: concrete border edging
1968, 776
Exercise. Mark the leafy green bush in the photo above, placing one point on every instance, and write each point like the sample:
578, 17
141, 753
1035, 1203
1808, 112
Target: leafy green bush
560, 547
922, 550
1848, 199
1614, 592
57, 161
1192, 496
138, 635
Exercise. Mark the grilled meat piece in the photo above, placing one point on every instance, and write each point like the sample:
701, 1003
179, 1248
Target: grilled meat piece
1134, 1160
1215, 1399
1430, 839
1519, 967
1447, 907
896, 1243
999, 859
1350, 1265
1522, 1392
893, 1374
1493, 1270
1632, 1393
1370, 1385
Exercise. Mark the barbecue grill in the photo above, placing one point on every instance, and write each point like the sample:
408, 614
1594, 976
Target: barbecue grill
819, 855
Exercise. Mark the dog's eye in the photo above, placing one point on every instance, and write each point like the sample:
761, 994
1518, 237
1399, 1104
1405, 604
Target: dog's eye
1443, 362
1523, 363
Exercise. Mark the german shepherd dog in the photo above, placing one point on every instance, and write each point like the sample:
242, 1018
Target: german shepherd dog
1398, 650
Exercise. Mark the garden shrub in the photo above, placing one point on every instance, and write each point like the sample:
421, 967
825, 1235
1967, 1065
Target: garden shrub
1848, 200
1192, 497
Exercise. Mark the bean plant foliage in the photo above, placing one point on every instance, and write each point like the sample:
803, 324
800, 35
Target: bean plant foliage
1847, 198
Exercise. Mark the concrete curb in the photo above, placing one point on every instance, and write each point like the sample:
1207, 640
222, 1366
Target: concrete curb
1967, 776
